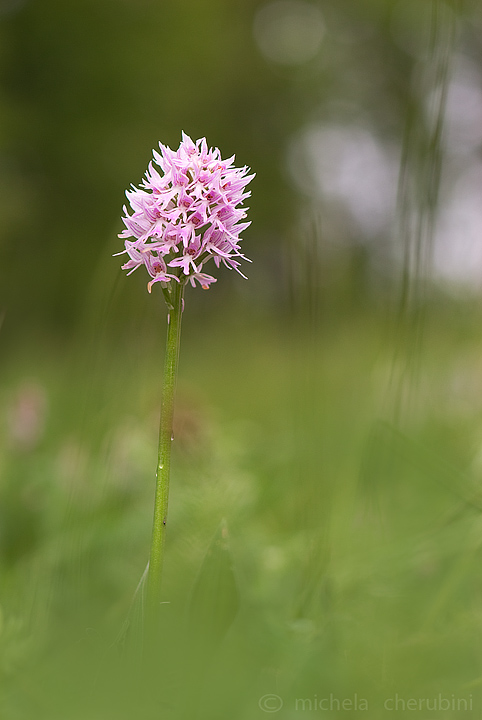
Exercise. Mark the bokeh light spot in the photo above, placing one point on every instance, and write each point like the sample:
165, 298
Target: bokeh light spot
289, 32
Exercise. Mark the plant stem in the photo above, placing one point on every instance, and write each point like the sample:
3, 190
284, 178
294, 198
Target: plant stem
171, 362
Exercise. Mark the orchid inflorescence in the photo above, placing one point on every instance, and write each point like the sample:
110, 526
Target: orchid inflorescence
187, 215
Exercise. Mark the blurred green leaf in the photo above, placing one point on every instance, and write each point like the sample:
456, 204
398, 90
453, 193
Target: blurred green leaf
215, 598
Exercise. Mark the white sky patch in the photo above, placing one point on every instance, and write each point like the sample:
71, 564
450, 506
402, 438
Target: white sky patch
458, 241
349, 170
349, 165
464, 109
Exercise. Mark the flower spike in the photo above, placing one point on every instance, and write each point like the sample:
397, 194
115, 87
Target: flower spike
185, 213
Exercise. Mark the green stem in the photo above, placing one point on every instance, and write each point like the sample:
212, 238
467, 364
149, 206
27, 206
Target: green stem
165, 440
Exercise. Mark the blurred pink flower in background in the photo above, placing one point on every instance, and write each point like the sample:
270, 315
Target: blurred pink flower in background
27, 416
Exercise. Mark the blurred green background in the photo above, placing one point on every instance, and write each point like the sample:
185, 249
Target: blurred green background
325, 512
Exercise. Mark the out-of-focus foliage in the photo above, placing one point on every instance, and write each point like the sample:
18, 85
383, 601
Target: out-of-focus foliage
329, 409
354, 542
89, 88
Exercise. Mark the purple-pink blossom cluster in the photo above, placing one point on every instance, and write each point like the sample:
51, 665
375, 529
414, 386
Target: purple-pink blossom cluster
186, 214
